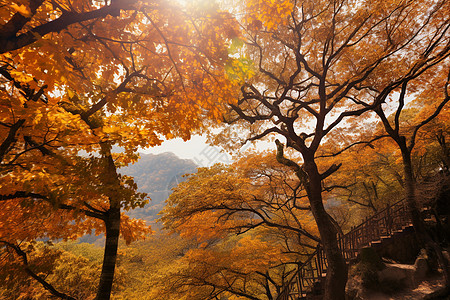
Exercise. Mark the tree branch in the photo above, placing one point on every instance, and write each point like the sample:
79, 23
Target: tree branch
432, 116
95, 213
39, 279
66, 19
333, 168
352, 145
11, 138
16, 23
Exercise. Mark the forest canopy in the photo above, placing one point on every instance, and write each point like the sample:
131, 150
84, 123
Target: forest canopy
352, 96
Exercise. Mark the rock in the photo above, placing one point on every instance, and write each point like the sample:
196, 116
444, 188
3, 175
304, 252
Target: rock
368, 256
368, 280
367, 267
354, 289
421, 269
392, 273
397, 275
446, 255
363, 275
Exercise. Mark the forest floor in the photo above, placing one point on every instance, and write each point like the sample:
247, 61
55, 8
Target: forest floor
426, 288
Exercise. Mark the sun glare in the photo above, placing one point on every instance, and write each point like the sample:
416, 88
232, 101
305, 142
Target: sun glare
182, 3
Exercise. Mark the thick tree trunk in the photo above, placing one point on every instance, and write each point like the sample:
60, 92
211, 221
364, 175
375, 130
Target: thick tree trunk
337, 271
410, 192
419, 226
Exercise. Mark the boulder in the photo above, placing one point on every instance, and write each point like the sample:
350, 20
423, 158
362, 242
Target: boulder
446, 255
421, 267
398, 275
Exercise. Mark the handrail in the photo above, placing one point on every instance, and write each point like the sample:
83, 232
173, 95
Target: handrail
384, 223
375, 215
284, 295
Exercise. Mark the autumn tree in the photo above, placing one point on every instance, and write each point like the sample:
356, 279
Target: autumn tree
315, 62
87, 75
252, 226
431, 100
413, 113
240, 267
370, 177
74, 272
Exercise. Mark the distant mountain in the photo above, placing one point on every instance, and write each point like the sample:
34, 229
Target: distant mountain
157, 175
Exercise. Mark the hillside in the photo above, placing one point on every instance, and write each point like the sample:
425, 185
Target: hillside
157, 175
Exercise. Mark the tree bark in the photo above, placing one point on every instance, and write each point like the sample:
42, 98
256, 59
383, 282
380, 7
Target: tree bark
12, 42
419, 225
337, 271
112, 224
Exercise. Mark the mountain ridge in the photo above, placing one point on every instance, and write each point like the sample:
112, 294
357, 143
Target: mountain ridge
156, 175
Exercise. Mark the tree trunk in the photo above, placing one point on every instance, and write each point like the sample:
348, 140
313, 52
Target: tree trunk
112, 225
337, 271
419, 226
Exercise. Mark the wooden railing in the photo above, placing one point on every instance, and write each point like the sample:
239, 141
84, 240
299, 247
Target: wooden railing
307, 275
382, 224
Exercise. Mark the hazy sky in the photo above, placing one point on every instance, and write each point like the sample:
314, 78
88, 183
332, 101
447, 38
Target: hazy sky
182, 149
198, 150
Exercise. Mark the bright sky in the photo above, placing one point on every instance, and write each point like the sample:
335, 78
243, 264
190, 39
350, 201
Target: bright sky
198, 150
190, 149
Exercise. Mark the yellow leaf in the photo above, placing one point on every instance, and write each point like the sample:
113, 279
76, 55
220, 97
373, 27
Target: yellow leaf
70, 93
22, 9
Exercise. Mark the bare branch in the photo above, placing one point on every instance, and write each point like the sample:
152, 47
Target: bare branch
432, 116
11, 138
95, 213
66, 19
333, 168
368, 143
39, 279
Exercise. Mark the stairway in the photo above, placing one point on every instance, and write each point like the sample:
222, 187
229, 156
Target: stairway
309, 277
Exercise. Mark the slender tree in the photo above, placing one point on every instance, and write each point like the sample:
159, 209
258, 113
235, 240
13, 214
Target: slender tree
404, 134
84, 76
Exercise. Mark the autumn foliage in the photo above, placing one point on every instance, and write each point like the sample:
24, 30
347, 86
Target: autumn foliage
354, 95
79, 77
256, 198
